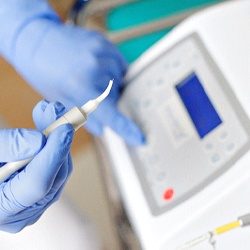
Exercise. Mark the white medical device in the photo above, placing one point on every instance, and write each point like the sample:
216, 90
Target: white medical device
190, 94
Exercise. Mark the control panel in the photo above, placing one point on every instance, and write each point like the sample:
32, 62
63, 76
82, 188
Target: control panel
195, 127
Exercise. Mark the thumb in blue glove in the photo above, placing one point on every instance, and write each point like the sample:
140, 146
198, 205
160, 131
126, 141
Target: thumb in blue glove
28, 193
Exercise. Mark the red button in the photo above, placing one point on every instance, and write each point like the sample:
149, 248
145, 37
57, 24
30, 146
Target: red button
168, 194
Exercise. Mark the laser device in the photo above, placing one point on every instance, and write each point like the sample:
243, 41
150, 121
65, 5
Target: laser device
190, 94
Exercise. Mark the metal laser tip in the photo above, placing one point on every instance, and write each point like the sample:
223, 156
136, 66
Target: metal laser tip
106, 92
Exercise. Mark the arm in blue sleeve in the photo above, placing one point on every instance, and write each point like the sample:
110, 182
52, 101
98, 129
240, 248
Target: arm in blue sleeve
65, 63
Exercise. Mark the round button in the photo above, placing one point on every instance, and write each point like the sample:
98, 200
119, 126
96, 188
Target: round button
147, 103
209, 147
168, 194
216, 158
223, 136
159, 82
161, 176
230, 147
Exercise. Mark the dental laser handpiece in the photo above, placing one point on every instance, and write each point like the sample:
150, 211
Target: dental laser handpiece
241, 221
77, 116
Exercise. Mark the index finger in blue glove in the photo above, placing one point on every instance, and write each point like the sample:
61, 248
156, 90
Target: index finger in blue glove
19, 144
120, 124
39, 175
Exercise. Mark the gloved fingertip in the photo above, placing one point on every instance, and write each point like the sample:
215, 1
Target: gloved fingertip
43, 104
59, 109
129, 131
46, 112
56, 109
40, 107
134, 136
46, 106
94, 127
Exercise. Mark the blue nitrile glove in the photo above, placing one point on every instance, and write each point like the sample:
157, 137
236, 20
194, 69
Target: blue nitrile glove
65, 63
28, 193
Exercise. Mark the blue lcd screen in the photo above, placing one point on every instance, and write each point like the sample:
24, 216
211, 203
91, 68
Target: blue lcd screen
198, 105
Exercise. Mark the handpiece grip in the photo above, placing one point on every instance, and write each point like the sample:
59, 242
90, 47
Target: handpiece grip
75, 117
11, 167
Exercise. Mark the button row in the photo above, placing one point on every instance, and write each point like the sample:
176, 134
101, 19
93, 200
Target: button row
217, 156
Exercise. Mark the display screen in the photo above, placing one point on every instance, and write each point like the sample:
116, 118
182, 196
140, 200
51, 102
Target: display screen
198, 105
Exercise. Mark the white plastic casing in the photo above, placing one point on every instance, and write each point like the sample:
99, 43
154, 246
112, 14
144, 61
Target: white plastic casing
224, 30
76, 117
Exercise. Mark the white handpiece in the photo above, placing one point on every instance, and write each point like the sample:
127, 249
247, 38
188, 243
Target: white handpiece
76, 116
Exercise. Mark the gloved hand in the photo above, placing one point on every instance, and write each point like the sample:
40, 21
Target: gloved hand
65, 63
28, 193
